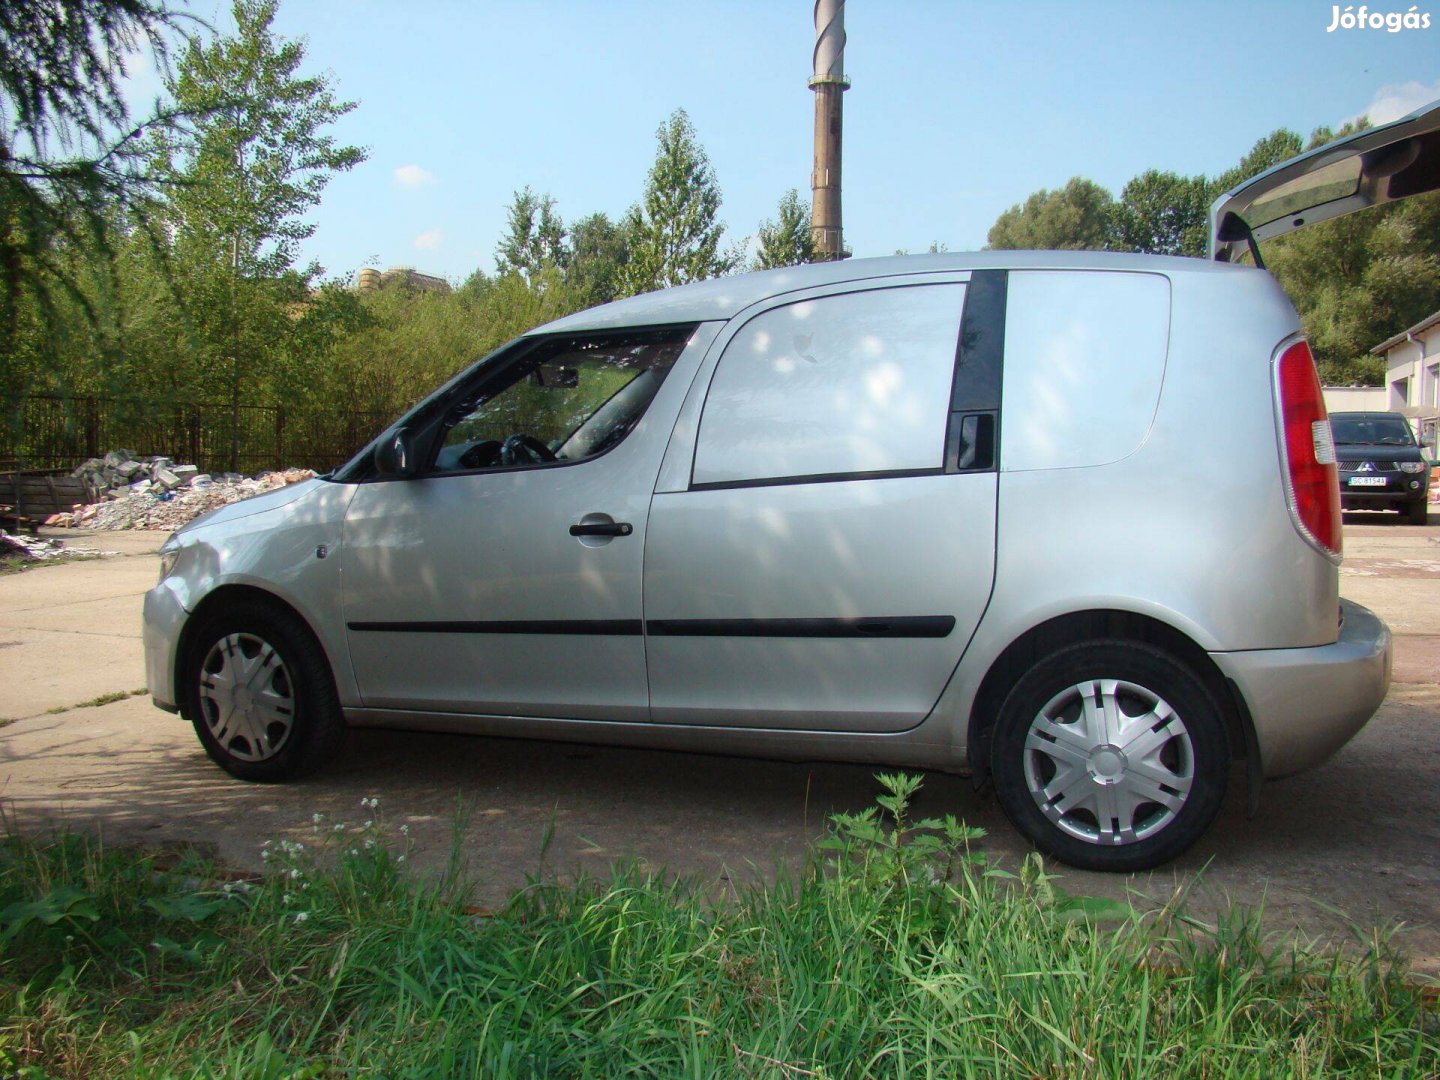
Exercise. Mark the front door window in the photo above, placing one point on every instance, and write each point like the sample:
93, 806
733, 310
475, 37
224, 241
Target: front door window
561, 402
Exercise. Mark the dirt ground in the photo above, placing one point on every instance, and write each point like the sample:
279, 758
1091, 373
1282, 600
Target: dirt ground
1360, 835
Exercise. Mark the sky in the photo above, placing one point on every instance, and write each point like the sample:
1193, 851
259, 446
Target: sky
957, 110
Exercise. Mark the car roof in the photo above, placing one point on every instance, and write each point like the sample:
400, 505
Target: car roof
723, 298
1368, 413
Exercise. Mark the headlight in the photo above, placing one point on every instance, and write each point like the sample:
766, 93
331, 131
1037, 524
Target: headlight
169, 554
1413, 466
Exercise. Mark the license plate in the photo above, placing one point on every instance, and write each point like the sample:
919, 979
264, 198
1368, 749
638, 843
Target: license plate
1366, 481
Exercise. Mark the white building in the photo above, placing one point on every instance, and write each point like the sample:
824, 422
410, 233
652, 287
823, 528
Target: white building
1412, 373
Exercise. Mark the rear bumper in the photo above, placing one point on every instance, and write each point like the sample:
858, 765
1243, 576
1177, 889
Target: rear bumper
1307, 703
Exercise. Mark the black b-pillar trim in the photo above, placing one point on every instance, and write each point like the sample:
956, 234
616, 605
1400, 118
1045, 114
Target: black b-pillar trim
972, 437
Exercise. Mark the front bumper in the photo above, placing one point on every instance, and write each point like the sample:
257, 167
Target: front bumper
164, 616
1400, 489
1307, 703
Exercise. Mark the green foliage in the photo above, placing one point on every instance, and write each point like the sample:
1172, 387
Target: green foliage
534, 236
599, 252
261, 156
1162, 213
673, 234
1076, 217
74, 176
876, 962
258, 162
787, 240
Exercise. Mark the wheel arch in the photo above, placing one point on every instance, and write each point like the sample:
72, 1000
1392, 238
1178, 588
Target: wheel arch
226, 596
1075, 627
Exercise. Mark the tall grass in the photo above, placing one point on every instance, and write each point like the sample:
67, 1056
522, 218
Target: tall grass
899, 952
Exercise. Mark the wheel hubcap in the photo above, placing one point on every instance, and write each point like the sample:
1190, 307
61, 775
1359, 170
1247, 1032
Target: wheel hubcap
1109, 761
246, 697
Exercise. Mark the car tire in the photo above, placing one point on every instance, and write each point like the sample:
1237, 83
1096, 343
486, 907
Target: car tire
259, 691
1110, 755
1418, 513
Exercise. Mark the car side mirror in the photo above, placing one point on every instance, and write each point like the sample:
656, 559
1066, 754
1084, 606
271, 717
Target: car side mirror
395, 457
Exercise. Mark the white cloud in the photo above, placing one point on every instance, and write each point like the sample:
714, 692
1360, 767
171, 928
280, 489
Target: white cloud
429, 240
413, 176
1395, 100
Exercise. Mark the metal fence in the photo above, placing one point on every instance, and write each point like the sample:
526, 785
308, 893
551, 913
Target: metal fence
45, 432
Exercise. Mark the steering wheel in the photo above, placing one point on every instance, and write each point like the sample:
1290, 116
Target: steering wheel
522, 449
483, 453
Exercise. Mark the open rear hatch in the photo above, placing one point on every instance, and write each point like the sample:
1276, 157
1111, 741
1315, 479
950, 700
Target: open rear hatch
1371, 167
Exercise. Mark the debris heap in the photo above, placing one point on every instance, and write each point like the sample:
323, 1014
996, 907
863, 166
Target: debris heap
29, 547
156, 493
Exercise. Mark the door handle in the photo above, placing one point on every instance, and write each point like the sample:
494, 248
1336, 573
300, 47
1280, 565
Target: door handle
602, 528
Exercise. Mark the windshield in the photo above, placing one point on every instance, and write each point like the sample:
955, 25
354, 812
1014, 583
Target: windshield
1371, 430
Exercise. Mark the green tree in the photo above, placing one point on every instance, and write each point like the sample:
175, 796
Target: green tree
534, 236
1163, 213
1280, 145
599, 252
260, 158
73, 174
673, 234
786, 240
1075, 217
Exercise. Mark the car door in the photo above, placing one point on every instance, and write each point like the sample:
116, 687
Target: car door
821, 543
505, 578
1372, 167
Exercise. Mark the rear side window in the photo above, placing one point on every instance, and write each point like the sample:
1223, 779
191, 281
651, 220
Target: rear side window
848, 385
1084, 359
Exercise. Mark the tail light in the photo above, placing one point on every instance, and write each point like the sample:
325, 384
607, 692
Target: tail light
1311, 486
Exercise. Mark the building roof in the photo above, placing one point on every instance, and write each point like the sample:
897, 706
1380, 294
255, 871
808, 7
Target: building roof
1389, 343
724, 297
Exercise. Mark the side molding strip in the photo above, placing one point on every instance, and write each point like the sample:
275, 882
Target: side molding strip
900, 626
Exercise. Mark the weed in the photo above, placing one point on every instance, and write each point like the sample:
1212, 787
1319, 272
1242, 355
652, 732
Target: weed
96, 702
900, 950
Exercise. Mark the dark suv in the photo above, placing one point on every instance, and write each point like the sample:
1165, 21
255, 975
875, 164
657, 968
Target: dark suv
1381, 464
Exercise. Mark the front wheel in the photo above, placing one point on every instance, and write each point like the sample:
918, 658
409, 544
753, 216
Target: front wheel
258, 690
1110, 755
1418, 513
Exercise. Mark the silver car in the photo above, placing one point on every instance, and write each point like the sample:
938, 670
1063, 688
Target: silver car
1068, 521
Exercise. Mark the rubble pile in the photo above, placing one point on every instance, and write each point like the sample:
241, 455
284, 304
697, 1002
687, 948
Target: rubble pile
125, 469
156, 493
30, 547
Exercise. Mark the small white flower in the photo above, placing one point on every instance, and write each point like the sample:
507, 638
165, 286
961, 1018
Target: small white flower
399, 858
338, 828
404, 830
287, 899
294, 873
317, 818
301, 916
369, 843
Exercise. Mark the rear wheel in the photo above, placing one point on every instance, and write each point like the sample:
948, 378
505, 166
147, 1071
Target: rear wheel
1110, 755
258, 690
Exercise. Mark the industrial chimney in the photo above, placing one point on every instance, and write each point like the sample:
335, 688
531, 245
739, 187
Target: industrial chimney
829, 82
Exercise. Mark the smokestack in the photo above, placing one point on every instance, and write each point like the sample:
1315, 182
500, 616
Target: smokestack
829, 83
